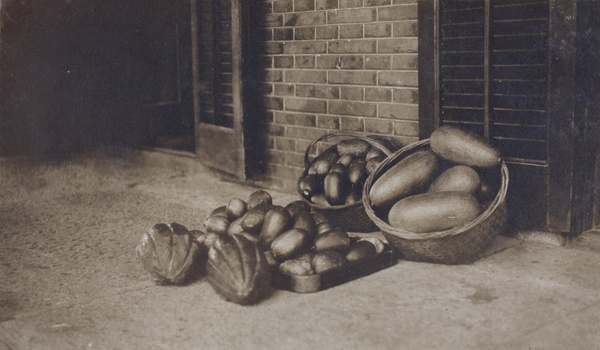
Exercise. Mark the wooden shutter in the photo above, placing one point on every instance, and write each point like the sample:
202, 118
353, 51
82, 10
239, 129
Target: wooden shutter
223, 64
494, 72
218, 87
506, 69
215, 62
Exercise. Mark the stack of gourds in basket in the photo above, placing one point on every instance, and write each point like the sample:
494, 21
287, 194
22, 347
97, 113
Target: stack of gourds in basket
438, 200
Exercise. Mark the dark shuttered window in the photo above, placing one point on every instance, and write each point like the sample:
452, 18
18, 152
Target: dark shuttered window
215, 69
494, 72
507, 69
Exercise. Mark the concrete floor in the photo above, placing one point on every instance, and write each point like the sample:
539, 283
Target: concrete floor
71, 280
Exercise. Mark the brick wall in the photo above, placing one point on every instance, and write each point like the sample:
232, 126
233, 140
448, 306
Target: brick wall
335, 65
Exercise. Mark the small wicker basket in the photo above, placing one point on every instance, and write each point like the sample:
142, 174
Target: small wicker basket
349, 217
460, 245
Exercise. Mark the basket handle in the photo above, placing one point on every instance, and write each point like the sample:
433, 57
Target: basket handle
373, 142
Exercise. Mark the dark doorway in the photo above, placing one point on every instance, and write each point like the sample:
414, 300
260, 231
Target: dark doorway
163, 57
77, 74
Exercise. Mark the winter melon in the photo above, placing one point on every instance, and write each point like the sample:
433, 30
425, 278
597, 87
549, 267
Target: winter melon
463, 147
409, 176
433, 211
457, 178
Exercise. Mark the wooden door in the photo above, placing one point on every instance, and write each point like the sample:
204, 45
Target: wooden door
587, 110
218, 85
163, 58
505, 69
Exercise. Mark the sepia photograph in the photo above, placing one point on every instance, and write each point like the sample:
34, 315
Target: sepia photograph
299, 174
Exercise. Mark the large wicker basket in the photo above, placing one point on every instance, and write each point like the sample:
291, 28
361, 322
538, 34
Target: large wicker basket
350, 217
459, 245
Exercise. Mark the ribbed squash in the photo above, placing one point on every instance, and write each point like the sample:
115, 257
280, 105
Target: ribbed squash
170, 253
238, 270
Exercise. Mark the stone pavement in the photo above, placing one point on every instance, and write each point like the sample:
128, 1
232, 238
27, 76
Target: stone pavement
71, 280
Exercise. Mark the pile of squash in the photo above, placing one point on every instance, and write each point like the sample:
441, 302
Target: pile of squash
246, 241
337, 175
441, 187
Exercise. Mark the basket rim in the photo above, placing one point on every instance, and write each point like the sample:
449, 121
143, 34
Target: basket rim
307, 162
498, 200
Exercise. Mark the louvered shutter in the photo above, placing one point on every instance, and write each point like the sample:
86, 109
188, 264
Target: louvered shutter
218, 39
494, 72
223, 64
215, 63
506, 69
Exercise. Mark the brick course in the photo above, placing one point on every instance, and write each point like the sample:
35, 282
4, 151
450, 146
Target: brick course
327, 32
332, 65
351, 31
304, 5
400, 12
360, 15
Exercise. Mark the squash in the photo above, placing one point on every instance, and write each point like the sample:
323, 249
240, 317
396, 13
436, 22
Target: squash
327, 260
220, 211
323, 227
339, 168
433, 211
236, 227
361, 250
457, 178
289, 244
259, 197
309, 185
276, 221
304, 220
296, 207
320, 199
336, 239
411, 175
236, 208
335, 186
355, 147
374, 152
324, 161
170, 253
345, 160
357, 172
460, 146
217, 224
237, 269
253, 220
300, 266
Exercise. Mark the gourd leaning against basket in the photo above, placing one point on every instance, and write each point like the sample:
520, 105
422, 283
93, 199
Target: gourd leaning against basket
464, 243
347, 216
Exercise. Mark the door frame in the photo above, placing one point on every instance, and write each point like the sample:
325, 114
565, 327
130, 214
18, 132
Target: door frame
216, 146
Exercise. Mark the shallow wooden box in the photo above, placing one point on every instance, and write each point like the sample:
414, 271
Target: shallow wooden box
351, 271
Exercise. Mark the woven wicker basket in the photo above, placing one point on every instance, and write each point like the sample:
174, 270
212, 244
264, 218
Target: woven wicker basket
459, 245
350, 217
